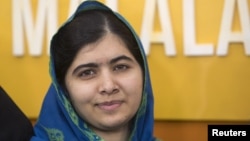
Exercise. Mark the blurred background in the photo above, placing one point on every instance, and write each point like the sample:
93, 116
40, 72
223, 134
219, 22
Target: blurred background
198, 53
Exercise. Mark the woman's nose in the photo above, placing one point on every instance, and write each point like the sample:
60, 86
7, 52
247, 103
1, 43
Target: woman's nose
108, 84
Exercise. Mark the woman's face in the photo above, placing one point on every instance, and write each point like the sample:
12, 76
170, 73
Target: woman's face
105, 83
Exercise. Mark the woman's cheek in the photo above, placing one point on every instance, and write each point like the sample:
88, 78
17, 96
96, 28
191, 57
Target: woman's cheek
80, 92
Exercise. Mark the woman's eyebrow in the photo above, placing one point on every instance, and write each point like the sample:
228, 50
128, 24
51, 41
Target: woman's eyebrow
95, 65
88, 65
122, 57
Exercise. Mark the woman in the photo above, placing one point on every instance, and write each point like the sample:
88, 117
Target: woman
101, 86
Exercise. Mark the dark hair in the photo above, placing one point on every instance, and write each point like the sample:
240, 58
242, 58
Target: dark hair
85, 28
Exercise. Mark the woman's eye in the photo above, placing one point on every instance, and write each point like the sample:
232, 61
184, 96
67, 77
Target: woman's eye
120, 67
87, 73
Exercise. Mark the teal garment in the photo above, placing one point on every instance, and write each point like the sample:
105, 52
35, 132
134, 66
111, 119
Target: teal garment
59, 122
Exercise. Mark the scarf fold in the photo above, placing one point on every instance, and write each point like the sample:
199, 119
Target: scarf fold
59, 122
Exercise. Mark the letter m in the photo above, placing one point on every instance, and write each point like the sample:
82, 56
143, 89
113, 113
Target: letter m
23, 25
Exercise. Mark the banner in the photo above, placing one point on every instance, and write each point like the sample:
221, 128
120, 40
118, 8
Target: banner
198, 53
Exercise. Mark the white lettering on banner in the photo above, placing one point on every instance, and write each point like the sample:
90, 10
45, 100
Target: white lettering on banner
190, 46
226, 35
147, 34
22, 20
23, 24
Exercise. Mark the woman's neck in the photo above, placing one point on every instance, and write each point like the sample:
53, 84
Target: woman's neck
121, 134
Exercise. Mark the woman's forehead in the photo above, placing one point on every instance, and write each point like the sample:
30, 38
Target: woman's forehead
108, 47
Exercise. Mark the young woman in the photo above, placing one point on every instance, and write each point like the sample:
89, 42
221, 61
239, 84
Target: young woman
101, 87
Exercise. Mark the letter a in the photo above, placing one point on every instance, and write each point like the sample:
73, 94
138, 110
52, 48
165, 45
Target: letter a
226, 35
166, 36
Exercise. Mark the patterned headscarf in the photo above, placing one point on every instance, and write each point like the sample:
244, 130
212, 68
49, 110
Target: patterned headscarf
58, 120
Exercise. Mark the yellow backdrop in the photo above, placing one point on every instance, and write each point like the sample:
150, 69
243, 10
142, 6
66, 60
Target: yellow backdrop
185, 87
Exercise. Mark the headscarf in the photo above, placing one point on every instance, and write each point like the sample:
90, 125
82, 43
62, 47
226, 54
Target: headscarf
58, 120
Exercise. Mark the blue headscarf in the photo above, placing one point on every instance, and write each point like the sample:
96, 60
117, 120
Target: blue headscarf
58, 120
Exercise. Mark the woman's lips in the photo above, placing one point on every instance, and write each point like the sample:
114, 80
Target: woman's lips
110, 105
